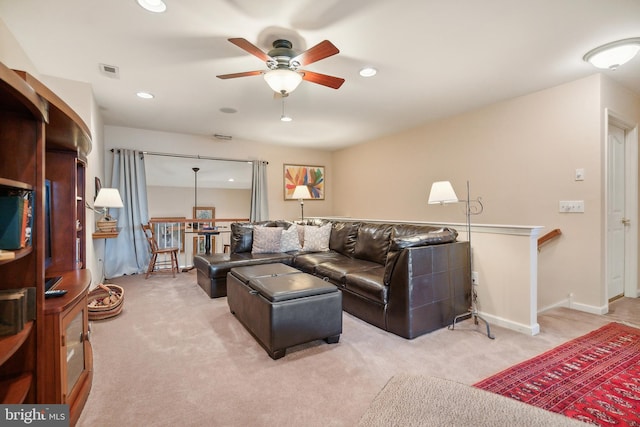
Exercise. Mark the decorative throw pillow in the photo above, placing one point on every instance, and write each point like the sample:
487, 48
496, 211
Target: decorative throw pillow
316, 239
266, 240
290, 240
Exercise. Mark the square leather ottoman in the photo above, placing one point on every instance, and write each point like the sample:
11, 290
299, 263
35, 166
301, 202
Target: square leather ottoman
283, 307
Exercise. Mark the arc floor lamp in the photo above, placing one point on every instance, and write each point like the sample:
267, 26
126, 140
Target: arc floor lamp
441, 193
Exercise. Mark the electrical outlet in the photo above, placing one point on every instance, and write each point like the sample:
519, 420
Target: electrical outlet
474, 278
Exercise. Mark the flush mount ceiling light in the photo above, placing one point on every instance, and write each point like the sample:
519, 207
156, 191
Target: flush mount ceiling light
282, 80
368, 72
157, 6
145, 95
611, 55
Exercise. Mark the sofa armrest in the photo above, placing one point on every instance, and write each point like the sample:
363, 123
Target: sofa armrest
428, 287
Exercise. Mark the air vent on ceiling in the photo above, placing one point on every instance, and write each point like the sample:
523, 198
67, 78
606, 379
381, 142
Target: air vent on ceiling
110, 71
222, 137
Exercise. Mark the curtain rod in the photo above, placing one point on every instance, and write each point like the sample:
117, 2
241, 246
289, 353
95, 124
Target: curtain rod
196, 156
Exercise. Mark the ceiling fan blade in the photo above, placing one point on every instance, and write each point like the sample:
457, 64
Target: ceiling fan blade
234, 75
251, 48
322, 79
320, 51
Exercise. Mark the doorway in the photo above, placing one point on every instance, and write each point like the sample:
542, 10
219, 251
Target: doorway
622, 208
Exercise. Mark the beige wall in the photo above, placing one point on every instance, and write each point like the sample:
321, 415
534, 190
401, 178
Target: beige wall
520, 156
276, 155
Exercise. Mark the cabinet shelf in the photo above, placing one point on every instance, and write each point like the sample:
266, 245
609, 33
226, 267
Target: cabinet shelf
14, 390
10, 183
17, 255
9, 344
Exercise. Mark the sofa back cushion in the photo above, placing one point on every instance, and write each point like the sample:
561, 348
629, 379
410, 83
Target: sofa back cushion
373, 242
343, 237
409, 236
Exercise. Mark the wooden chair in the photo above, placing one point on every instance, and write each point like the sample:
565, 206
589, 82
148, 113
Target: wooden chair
154, 264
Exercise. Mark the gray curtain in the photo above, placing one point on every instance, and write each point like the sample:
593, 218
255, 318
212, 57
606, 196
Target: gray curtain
259, 202
129, 253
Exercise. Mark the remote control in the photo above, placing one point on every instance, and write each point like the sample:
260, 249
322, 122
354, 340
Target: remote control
54, 293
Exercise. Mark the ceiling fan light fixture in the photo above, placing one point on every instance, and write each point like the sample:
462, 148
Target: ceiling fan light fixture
611, 55
157, 6
282, 80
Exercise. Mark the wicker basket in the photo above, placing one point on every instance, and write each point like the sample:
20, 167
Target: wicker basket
107, 225
105, 301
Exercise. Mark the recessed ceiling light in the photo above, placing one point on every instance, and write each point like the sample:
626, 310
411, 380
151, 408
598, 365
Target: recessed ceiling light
228, 110
231, 180
157, 6
145, 95
611, 55
368, 72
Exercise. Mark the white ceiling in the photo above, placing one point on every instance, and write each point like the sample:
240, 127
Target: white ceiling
434, 59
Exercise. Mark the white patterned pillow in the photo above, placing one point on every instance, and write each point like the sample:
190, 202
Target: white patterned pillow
290, 240
266, 240
316, 239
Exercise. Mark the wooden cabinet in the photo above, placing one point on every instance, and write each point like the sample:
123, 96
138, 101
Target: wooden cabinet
22, 115
66, 340
50, 360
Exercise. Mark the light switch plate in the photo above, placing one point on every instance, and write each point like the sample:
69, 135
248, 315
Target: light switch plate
571, 206
580, 174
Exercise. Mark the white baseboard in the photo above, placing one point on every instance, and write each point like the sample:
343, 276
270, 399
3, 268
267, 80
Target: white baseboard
509, 324
576, 306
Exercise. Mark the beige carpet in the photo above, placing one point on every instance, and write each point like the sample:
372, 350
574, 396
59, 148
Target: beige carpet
176, 357
415, 400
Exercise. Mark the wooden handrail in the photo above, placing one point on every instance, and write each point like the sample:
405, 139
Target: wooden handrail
550, 235
188, 220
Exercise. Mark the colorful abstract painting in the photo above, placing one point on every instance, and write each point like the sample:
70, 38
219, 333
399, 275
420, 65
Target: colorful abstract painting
311, 176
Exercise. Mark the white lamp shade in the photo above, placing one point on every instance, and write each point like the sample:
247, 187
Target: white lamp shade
283, 80
442, 192
612, 55
301, 192
108, 198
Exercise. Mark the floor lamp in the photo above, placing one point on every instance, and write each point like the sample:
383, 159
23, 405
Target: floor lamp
441, 193
195, 196
301, 192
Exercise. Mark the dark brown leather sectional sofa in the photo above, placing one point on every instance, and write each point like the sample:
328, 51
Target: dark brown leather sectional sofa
403, 278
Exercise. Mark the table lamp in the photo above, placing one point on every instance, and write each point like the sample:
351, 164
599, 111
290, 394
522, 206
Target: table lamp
301, 192
107, 198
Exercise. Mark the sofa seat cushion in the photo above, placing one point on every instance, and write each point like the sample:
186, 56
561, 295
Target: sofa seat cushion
308, 262
369, 284
218, 265
338, 269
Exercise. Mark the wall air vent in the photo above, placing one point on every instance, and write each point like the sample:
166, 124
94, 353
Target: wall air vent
110, 71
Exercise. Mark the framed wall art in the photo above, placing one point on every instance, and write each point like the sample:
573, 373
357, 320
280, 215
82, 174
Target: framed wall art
202, 214
311, 176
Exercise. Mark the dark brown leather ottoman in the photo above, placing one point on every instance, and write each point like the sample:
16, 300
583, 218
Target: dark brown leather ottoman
283, 307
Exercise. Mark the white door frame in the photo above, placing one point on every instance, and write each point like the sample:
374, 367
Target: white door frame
631, 202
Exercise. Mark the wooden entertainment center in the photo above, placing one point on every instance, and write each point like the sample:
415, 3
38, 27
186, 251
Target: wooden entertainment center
43, 147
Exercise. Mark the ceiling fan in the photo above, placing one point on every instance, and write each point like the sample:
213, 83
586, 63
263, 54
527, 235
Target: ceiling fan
284, 75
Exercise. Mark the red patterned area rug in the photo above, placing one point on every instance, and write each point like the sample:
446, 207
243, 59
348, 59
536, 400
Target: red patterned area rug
594, 378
